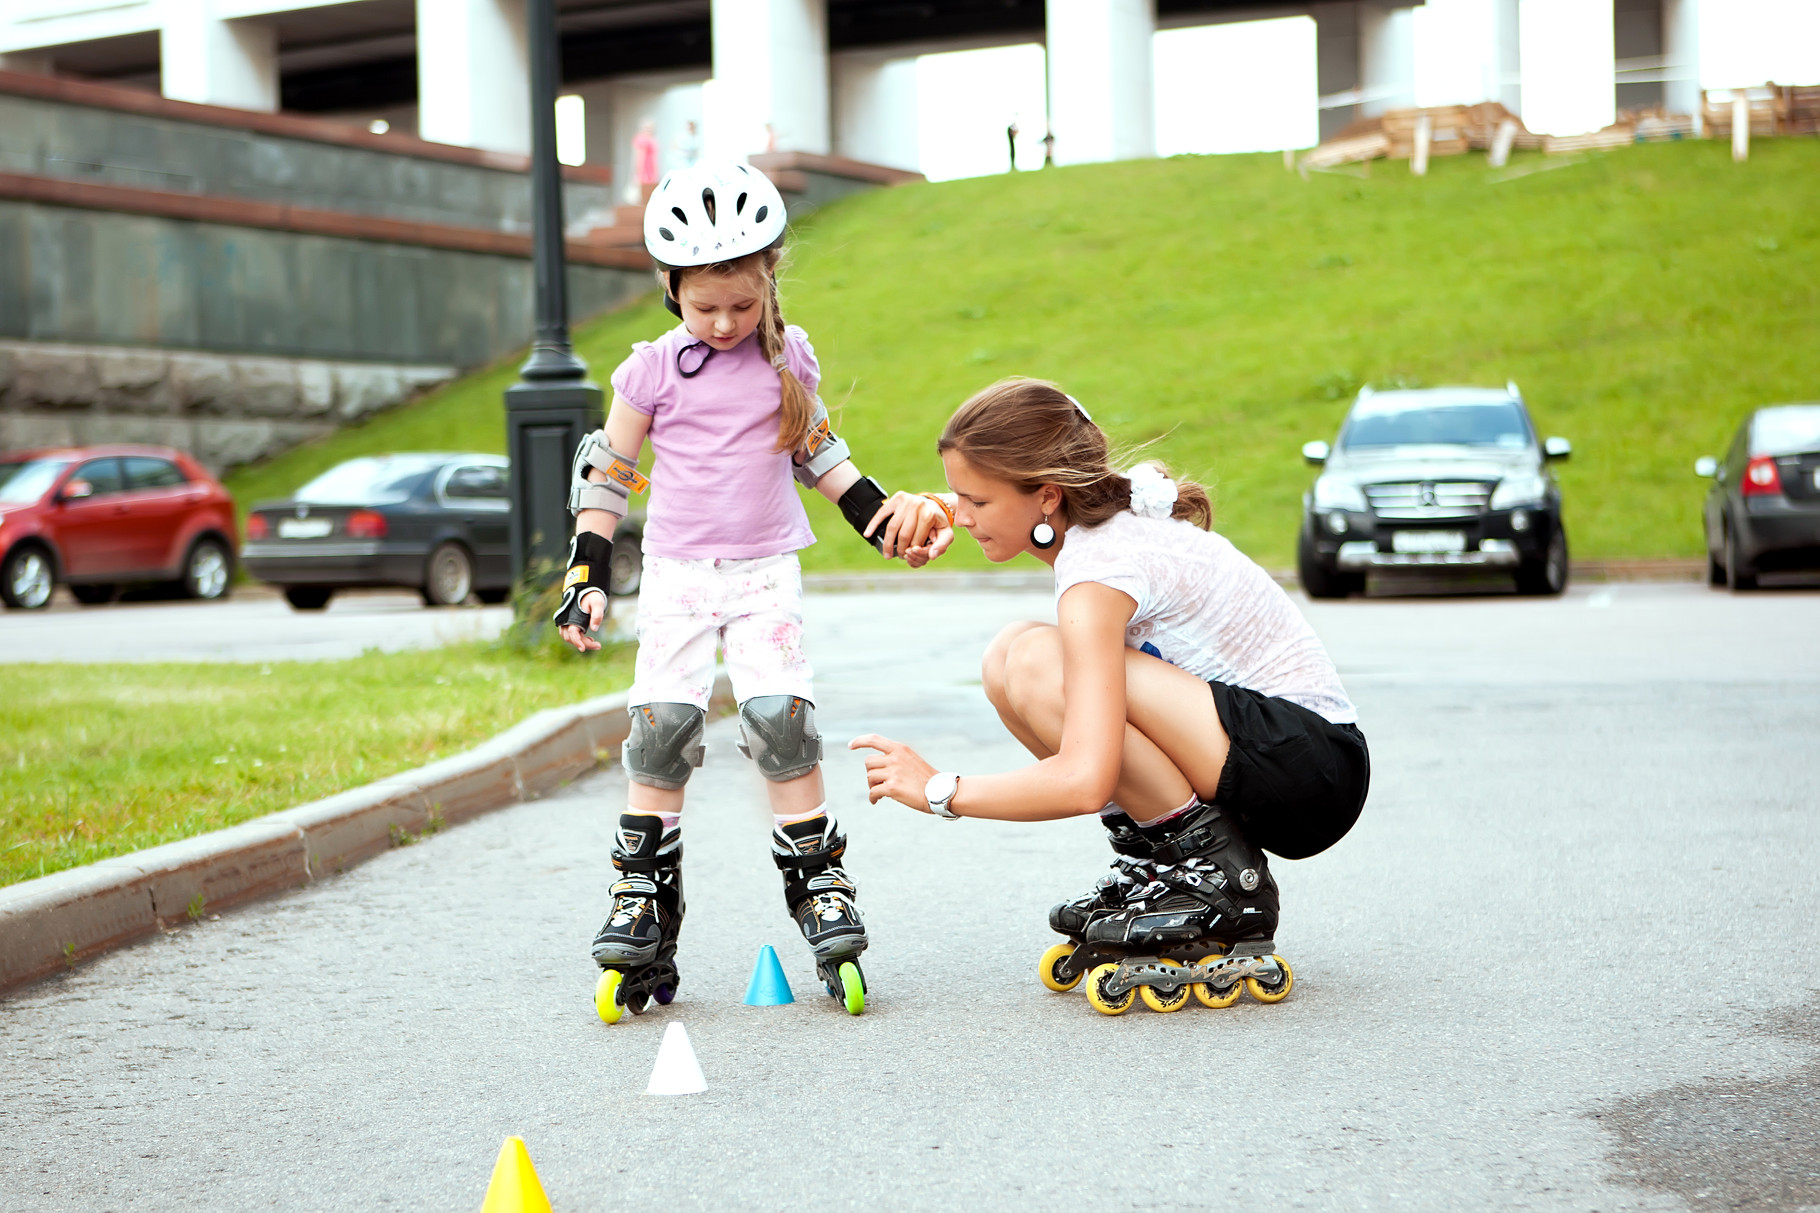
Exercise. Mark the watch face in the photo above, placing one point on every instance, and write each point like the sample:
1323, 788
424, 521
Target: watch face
941, 788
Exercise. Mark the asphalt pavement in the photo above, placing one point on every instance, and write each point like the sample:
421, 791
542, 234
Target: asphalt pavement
1565, 961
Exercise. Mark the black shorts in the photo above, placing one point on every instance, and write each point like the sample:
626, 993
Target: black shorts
1294, 778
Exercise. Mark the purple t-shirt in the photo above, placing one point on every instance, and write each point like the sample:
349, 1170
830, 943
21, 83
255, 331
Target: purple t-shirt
719, 485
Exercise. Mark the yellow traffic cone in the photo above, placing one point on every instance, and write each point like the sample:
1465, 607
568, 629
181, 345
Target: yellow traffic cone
514, 1187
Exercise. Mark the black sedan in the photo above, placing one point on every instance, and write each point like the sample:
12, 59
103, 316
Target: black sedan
1763, 513
438, 523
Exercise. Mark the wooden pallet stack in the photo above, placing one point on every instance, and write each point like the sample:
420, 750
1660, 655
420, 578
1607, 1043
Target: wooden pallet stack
1763, 102
1454, 130
1801, 109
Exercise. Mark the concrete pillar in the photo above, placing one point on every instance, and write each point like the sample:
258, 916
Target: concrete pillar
1567, 48
770, 85
474, 74
1466, 51
1681, 53
875, 109
1102, 95
204, 59
1508, 57
1387, 58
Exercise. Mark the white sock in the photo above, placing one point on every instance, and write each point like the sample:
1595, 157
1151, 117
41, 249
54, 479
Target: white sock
1157, 821
780, 820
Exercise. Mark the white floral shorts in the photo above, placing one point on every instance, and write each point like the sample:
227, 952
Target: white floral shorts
689, 609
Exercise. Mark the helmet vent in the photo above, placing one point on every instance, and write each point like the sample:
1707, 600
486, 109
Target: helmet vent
707, 204
680, 217
739, 208
759, 216
666, 233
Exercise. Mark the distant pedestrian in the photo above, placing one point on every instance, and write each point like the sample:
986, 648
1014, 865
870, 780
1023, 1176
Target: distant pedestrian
688, 145
1011, 138
644, 160
1048, 149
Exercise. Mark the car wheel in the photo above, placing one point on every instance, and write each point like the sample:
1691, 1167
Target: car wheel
627, 568
494, 597
1738, 571
308, 597
449, 576
1549, 574
28, 578
1715, 570
1320, 581
94, 595
208, 572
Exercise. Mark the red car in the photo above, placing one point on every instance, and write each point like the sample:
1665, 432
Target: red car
99, 517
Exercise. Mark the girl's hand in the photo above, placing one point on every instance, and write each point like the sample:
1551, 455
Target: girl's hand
896, 771
596, 604
914, 527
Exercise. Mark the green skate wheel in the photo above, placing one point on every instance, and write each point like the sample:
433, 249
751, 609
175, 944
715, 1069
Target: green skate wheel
854, 988
606, 996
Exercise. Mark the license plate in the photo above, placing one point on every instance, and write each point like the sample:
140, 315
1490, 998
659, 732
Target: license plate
305, 528
1428, 541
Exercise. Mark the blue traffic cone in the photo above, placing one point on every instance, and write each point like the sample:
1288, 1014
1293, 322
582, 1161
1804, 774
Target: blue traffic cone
768, 987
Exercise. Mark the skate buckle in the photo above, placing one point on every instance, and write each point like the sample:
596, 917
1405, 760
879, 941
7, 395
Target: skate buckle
1248, 880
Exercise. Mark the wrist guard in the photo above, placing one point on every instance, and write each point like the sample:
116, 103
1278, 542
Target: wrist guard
590, 564
859, 503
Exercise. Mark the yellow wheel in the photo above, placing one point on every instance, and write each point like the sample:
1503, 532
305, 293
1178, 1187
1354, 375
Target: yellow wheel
1274, 993
1209, 996
1163, 1003
1045, 968
606, 996
1105, 1004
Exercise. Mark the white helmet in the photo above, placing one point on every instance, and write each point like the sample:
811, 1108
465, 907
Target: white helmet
712, 212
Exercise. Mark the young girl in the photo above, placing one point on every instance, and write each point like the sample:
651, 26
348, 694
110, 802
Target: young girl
1181, 696
728, 401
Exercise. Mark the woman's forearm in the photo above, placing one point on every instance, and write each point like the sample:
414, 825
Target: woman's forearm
1045, 791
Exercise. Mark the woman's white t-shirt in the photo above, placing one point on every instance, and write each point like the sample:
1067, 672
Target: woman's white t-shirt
1205, 607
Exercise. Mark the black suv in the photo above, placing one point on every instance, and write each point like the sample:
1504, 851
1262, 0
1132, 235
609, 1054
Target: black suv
1437, 478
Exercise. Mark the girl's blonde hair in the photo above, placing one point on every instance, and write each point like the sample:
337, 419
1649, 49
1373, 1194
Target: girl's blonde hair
760, 271
1028, 432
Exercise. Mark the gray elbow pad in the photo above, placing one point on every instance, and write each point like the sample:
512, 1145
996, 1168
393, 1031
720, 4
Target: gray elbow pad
613, 494
821, 452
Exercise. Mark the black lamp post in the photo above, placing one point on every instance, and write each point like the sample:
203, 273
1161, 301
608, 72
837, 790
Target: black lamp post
553, 403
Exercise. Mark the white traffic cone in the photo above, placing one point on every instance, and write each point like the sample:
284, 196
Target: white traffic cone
676, 1072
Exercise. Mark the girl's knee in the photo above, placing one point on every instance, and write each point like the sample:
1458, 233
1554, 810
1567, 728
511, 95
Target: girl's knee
993, 662
1033, 663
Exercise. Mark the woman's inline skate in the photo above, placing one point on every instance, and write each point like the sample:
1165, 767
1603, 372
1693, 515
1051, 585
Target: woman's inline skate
1203, 925
636, 946
1131, 870
821, 895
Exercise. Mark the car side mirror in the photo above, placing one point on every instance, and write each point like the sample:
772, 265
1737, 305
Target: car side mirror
1316, 452
1556, 448
76, 490
1706, 466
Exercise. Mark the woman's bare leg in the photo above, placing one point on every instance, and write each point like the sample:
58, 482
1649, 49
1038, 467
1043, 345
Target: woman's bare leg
1174, 742
992, 677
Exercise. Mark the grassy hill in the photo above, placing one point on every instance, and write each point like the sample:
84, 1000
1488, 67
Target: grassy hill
1643, 299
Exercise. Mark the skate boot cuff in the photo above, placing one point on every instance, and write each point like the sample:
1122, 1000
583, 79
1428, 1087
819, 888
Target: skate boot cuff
647, 863
827, 855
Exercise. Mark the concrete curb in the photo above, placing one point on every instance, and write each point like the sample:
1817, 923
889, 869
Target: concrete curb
56, 921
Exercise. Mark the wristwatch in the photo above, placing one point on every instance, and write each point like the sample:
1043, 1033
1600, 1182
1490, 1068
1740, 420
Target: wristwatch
939, 791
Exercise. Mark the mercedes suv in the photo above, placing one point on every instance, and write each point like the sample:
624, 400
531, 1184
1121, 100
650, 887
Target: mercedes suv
1434, 479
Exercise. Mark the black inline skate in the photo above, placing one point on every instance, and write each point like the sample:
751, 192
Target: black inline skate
636, 946
821, 895
1131, 870
1204, 924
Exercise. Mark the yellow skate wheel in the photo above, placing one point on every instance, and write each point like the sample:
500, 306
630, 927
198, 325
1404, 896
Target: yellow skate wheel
1045, 968
1276, 993
1163, 1003
606, 996
1104, 1003
1209, 996
853, 987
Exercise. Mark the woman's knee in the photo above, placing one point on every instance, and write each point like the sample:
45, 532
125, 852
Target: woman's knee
997, 656
1033, 666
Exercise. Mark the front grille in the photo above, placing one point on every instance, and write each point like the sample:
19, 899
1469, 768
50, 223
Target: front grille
1429, 499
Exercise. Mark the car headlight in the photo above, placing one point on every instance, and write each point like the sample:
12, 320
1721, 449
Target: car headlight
1332, 493
1528, 489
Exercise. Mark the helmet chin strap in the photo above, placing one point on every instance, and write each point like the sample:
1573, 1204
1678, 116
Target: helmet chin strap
670, 300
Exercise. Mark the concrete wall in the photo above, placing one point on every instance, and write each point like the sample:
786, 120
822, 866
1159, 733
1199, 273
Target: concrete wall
58, 139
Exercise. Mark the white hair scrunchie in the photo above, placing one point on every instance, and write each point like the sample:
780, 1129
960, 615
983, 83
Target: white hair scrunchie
780, 363
1153, 495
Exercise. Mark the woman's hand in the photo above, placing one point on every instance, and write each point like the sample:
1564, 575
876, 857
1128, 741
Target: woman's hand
595, 603
896, 771
913, 527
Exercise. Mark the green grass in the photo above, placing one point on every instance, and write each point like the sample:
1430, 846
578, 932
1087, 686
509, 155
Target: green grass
100, 760
1644, 299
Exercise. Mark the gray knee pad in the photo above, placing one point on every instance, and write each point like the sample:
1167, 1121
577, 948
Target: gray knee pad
665, 746
778, 733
